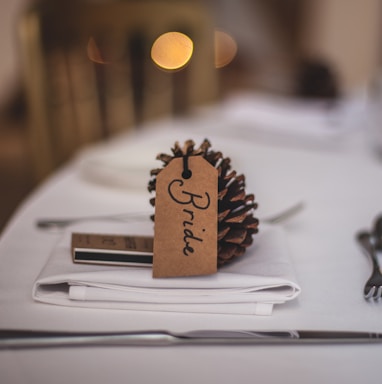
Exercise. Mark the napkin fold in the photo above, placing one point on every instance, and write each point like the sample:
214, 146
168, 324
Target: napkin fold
253, 284
290, 120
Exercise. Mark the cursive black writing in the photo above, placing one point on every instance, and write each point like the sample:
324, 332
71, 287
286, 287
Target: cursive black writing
198, 202
191, 197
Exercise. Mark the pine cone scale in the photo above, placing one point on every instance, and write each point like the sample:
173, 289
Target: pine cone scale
236, 236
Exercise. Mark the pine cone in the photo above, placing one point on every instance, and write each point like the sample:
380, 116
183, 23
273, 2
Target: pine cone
236, 223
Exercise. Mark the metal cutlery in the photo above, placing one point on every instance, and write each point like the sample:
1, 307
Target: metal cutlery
61, 223
378, 232
371, 243
17, 339
285, 214
373, 286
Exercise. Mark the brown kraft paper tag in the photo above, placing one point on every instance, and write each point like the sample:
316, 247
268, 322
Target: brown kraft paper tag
185, 233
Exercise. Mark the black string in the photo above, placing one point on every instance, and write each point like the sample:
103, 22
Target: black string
186, 174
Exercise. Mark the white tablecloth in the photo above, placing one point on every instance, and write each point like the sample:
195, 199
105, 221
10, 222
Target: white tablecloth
341, 184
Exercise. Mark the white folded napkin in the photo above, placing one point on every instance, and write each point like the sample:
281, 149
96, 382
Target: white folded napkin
251, 285
288, 119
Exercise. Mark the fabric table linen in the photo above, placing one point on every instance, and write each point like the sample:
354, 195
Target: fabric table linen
340, 182
252, 284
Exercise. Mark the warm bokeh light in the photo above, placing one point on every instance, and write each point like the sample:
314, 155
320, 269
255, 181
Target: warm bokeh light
172, 50
225, 48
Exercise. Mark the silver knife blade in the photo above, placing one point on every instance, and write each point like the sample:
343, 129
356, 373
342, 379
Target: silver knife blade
17, 339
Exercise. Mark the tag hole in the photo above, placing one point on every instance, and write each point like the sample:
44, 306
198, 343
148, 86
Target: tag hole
186, 174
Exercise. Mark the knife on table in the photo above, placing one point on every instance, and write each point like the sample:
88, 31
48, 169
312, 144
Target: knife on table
16, 339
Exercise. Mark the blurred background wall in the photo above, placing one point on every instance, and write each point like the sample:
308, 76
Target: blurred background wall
15, 174
348, 35
281, 45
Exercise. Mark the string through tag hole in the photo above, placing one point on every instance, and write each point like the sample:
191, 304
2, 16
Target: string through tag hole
186, 174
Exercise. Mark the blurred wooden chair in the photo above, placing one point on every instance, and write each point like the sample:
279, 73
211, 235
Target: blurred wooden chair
89, 74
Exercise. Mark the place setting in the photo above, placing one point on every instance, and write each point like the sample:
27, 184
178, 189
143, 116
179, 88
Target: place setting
202, 250
177, 261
